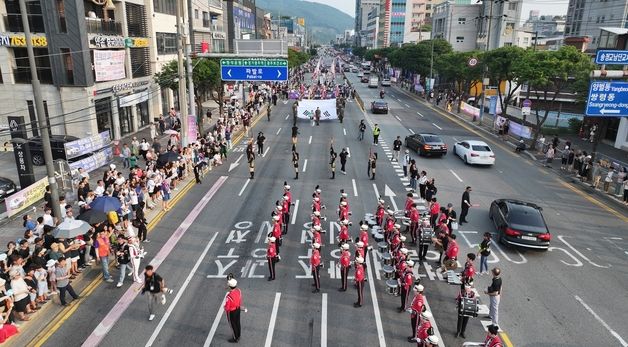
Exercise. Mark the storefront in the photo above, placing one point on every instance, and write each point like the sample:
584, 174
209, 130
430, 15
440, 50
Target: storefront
104, 116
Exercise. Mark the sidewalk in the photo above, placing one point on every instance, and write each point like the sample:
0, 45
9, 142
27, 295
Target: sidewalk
604, 151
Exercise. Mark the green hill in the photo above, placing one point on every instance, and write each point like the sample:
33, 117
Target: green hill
323, 22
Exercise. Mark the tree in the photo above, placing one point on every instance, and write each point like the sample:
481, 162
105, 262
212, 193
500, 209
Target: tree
206, 77
506, 64
359, 51
453, 68
417, 58
551, 72
296, 58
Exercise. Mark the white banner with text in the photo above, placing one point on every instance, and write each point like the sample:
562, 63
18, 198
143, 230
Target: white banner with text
307, 109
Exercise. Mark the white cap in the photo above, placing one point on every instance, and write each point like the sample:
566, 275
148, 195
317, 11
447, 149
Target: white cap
381, 201
318, 191
345, 246
407, 151
287, 186
344, 203
359, 260
426, 315
364, 227
272, 239
390, 212
397, 226
285, 197
404, 250
345, 221
316, 245
316, 198
432, 339
317, 228
410, 263
344, 195
3, 257
275, 217
232, 283
317, 213
402, 238
112, 166
359, 244
418, 288
279, 208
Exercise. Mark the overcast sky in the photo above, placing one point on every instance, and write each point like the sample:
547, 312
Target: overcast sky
557, 7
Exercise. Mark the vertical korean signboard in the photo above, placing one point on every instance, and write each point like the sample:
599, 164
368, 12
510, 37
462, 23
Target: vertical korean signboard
21, 151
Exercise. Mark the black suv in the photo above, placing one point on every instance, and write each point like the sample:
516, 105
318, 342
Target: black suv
58, 150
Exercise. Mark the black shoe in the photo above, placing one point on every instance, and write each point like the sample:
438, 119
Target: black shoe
456, 335
316, 290
355, 304
400, 309
462, 335
270, 278
233, 341
411, 338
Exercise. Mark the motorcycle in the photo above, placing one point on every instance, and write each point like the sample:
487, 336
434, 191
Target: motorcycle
381, 94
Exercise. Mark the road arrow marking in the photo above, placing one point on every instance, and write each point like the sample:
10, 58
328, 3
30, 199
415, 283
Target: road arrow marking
237, 162
389, 193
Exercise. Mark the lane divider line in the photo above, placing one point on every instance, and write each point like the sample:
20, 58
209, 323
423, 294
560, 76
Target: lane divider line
601, 321
455, 175
439, 128
296, 209
355, 187
244, 186
273, 319
304, 165
378, 316
278, 131
266, 152
214, 327
324, 320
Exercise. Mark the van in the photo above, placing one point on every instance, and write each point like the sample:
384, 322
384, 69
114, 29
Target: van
373, 82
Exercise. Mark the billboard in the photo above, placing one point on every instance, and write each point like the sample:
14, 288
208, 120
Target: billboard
244, 18
109, 65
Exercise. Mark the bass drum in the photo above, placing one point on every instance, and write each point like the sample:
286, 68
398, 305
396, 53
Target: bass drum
393, 287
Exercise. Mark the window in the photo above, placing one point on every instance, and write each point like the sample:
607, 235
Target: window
206, 21
196, 13
165, 6
140, 62
136, 19
13, 19
462, 20
68, 65
460, 39
22, 71
512, 6
61, 14
166, 43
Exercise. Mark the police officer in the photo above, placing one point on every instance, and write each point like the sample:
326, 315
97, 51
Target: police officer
359, 280
233, 305
407, 280
315, 263
271, 256
416, 308
345, 264
466, 293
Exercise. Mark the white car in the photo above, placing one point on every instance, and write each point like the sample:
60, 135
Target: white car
386, 82
474, 152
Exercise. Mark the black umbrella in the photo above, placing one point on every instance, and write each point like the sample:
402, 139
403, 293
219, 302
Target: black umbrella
92, 216
167, 157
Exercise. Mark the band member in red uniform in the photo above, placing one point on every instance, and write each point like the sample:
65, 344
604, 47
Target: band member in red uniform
316, 218
233, 305
425, 329
402, 243
359, 280
286, 213
343, 235
402, 265
271, 256
317, 193
492, 338
414, 223
360, 251
286, 192
467, 293
344, 197
407, 280
316, 204
431, 341
315, 263
279, 212
469, 271
345, 264
434, 211
316, 235
364, 238
276, 233
416, 308
451, 254
390, 224
343, 211
401, 257
380, 212
409, 203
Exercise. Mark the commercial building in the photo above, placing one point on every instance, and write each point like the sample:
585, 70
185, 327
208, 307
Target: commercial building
241, 21
546, 26
457, 24
209, 34
362, 10
418, 20
369, 37
586, 17
499, 22
397, 22
290, 29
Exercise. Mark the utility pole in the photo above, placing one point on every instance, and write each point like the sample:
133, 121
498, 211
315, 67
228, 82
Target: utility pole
42, 121
183, 107
485, 80
189, 50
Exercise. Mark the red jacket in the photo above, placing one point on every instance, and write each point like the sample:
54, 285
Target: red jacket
401, 268
380, 212
359, 273
286, 206
409, 202
315, 260
422, 333
359, 252
469, 270
417, 303
344, 233
289, 195
345, 259
277, 230
492, 341
316, 236
344, 213
452, 249
233, 300
364, 237
390, 224
408, 279
435, 209
271, 251
316, 206
414, 215
316, 221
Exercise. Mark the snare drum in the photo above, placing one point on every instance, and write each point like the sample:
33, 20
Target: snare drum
469, 307
426, 235
389, 271
387, 258
378, 237
392, 286
383, 247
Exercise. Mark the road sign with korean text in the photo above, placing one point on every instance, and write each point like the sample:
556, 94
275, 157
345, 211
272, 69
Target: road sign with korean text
607, 99
254, 69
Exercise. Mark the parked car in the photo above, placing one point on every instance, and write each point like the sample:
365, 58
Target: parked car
520, 223
7, 187
56, 142
346, 69
360, 74
364, 79
354, 69
385, 82
379, 106
474, 152
426, 144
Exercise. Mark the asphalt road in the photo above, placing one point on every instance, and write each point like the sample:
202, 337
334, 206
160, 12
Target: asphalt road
220, 227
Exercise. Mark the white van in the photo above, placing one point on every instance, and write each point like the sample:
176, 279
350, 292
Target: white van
374, 82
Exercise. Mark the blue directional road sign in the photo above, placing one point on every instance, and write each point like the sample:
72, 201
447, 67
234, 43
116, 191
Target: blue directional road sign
611, 57
254, 69
608, 99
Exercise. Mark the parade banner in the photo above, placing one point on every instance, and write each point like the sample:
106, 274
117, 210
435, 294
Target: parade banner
517, 129
26, 197
470, 110
94, 161
87, 144
307, 108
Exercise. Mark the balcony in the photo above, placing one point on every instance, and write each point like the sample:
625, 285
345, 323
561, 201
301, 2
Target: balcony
104, 27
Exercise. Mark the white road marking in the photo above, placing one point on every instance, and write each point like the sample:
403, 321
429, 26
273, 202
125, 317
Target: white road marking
599, 319
455, 175
309, 142
324, 321
378, 319
412, 131
439, 128
266, 151
348, 153
244, 187
436, 332
344, 131
355, 187
408, 106
296, 209
376, 191
399, 119
304, 165
278, 130
287, 116
455, 139
176, 299
419, 113
273, 319
562, 238
214, 327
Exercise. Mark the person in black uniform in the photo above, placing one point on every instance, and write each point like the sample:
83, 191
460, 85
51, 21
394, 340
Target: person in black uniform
465, 204
466, 293
295, 163
332, 160
343, 160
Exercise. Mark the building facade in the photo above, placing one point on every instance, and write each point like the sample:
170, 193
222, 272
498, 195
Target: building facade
397, 22
457, 24
209, 34
586, 17
369, 37
499, 22
362, 10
